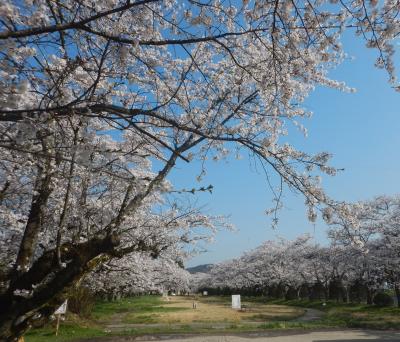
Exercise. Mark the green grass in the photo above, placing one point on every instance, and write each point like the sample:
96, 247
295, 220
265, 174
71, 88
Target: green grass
141, 304
149, 315
67, 332
75, 328
350, 315
141, 309
145, 309
72, 332
317, 304
342, 315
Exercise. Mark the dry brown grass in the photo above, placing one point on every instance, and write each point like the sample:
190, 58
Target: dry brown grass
218, 311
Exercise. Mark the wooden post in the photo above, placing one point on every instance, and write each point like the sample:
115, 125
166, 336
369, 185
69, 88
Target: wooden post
58, 324
62, 310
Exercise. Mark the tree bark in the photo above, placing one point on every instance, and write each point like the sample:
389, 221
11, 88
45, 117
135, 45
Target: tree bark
397, 291
326, 292
369, 296
29, 239
18, 314
347, 291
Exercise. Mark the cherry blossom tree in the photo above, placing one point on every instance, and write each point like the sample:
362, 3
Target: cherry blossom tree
100, 100
300, 268
374, 230
115, 278
361, 259
388, 247
274, 264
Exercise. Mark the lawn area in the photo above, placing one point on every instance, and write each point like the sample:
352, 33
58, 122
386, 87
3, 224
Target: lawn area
210, 309
72, 328
351, 315
174, 315
154, 314
105, 310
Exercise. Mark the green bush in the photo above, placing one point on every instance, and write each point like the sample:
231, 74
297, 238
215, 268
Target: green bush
383, 299
81, 301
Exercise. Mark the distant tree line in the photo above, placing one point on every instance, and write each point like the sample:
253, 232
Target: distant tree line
359, 265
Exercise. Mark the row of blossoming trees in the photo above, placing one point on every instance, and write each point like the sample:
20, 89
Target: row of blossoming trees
99, 100
116, 279
362, 259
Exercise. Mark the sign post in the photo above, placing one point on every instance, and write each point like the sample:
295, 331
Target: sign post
236, 302
60, 311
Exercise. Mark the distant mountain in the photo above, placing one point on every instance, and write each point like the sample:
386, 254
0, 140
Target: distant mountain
200, 268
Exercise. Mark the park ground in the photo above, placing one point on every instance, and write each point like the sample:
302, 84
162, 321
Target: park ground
145, 317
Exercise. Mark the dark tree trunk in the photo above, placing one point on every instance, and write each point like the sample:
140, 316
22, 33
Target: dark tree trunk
347, 293
397, 291
369, 296
33, 225
18, 314
326, 292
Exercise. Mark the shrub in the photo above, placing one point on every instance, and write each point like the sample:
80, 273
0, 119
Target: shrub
81, 301
383, 299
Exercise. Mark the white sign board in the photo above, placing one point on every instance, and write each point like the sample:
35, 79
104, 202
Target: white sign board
62, 309
205, 293
236, 302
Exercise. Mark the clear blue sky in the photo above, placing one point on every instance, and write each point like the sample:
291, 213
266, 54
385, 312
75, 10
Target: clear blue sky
361, 130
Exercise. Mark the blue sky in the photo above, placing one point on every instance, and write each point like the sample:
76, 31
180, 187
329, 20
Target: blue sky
361, 130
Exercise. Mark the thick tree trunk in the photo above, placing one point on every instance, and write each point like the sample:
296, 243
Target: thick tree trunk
33, 225
18, 314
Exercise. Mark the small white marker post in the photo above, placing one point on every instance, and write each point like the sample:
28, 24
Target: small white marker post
60, 311
236, 302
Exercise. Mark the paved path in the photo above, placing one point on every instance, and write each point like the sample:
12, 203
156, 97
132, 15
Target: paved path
275, 336
310, 315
